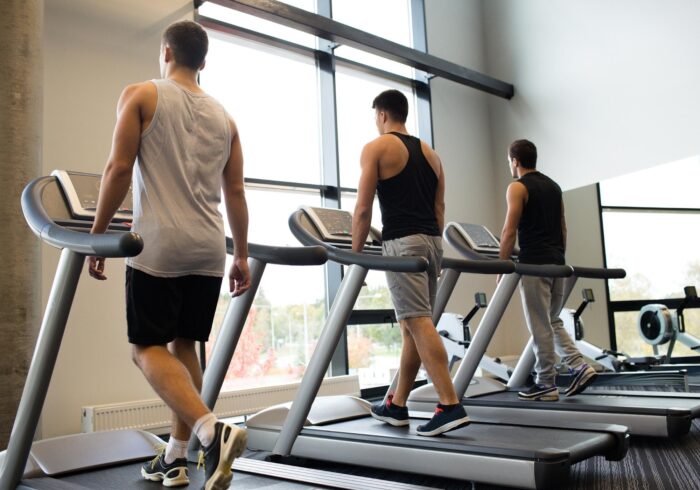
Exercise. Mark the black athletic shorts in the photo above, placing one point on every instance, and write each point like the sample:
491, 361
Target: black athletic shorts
160, 309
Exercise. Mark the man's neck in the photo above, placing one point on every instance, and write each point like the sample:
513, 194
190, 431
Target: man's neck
183, 77
525, 171
395, 128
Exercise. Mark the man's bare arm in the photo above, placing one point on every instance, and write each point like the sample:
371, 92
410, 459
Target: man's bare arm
516, 196
366, 188
563, 224
440, 199
237, 211
117, 174
125, 146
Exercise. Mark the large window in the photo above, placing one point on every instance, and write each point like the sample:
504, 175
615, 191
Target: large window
303, 109
272, 95
651, 226
355, 92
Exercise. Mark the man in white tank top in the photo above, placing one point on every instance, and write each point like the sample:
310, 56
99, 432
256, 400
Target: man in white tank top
181, 149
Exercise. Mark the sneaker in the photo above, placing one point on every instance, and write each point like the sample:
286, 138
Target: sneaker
390, 413
444, 421
172, 475
583, 377
229, 443
540, 392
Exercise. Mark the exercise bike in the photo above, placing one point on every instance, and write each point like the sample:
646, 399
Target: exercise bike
456, 334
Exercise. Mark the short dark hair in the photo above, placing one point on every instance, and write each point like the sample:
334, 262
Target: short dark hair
394, 103
525, 151
189, 43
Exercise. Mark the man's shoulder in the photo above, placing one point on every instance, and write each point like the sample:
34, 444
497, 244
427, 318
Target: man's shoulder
140, 89
379, 143
550, 181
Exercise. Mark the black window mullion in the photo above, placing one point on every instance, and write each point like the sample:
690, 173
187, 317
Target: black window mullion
422, 90
330, 197
612, 332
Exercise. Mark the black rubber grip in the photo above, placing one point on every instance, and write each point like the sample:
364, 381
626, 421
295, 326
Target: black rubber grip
283, 255
478, 266
110, 244
544, 270
599, 273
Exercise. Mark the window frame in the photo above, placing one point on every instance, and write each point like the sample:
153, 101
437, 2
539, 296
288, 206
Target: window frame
623, 306
329, 187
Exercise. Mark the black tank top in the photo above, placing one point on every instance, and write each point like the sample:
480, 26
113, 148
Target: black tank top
539, 232
407, 200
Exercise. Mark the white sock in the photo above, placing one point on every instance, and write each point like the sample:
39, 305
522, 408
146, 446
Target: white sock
175, 449
205, 429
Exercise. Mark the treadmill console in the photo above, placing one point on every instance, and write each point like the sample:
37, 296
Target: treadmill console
479, 238
335, 226
81, 191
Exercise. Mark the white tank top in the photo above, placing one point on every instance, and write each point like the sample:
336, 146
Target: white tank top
177, 185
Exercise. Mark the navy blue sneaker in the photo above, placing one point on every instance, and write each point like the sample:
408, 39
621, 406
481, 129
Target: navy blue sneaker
583, 377
444, 420
540, 392
229, 443
172, 475
390, 413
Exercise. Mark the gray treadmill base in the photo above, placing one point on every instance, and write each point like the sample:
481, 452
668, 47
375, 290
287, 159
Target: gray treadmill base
248, 474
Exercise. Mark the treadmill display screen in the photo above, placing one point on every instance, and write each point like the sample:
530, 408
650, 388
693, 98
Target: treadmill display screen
87, 187
334, 225
480, 238
81, 191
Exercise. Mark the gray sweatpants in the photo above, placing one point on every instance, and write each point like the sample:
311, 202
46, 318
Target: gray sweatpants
543, 299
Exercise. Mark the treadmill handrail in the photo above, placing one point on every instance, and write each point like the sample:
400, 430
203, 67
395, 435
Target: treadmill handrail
110, 244
453, 237
478, 266
346, 257
599, 273
270, 254
544, 270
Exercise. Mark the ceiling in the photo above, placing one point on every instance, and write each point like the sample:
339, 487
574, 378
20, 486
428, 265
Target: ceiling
138, 15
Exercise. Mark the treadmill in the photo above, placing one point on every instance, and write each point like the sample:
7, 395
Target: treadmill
644, 413
340, 429
60, 209
619, 372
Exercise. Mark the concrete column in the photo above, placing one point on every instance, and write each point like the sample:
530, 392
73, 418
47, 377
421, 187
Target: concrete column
21, 91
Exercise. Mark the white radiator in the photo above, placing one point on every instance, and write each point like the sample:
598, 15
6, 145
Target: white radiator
154, 415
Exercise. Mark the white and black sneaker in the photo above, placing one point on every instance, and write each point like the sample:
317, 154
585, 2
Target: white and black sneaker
583, 377
445, 419
172, 475
229, 443
540, 392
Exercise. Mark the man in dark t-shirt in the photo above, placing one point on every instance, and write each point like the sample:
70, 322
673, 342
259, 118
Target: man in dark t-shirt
536, 212
408, 177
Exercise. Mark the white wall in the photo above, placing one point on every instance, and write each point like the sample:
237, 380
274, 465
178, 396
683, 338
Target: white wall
462, 137
584, 248
603, 88
92, 50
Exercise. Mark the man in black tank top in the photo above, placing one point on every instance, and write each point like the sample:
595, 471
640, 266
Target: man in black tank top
408, 178
536, 212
